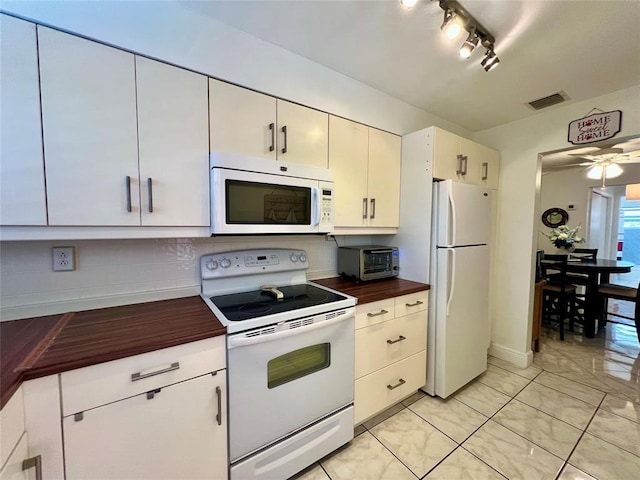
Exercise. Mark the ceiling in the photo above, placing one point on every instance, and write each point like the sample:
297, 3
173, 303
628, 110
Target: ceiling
584, 48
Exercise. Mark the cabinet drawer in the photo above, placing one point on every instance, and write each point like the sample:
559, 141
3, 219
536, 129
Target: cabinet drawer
412, 303
90, 387
11, 424
373, 392
374, 312
384, 343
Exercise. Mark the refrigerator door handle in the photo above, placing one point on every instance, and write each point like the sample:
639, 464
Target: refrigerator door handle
453, 278
452, 218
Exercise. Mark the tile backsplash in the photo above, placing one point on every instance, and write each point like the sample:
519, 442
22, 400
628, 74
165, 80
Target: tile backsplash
117, 272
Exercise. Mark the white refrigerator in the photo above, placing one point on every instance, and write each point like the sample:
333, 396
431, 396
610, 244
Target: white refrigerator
458, 331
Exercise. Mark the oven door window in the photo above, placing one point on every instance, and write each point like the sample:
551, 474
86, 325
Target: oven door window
377, 262
297, 364
265, 203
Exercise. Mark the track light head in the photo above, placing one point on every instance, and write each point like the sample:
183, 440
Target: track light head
452, 24
469, 44
490, 60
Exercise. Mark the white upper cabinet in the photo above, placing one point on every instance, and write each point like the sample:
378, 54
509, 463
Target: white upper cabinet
89, 124
22, 191
241, 121
253, 124
173, 145
366, 167
461, 160
303, 135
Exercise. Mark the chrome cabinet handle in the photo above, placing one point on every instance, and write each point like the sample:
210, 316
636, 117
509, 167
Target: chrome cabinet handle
219, 415
128, 187
139, 376
284, 131
400, 383
150, 189
36, 462
272, 127
399, 339
381, 312
373, 208
485, 170
462, 164
364, 208
413, 304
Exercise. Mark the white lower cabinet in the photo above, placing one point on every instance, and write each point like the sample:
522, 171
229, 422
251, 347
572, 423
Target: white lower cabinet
391, 356
158, 415
177, 431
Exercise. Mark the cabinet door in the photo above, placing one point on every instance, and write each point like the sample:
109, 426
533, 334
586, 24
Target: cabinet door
384, 178
241, 121
307, 135
482, 164
174, 434
89, 125
445, 152
348, 159
173, 144
22, 190
12, 470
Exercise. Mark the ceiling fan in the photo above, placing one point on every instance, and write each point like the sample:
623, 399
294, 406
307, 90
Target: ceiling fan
605, 162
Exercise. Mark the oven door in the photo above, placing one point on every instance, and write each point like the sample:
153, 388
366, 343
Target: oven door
254, 203
282, 382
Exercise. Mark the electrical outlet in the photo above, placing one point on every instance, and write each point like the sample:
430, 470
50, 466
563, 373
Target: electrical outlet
64, 259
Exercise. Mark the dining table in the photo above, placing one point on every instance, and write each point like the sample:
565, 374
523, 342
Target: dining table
597, 271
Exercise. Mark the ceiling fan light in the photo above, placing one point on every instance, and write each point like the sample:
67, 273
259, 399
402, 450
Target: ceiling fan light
613, 170
469, 45
452, 24
594, 172
408, 3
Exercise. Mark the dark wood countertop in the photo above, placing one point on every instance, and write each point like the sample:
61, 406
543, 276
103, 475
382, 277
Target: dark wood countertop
374, 290
36, 347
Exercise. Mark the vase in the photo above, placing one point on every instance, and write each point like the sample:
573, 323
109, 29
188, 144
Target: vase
565, 250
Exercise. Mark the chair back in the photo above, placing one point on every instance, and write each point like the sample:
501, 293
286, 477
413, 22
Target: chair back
585, 253
539, 257
637, 312
554, 269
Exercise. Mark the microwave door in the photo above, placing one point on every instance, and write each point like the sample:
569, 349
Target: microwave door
257, 203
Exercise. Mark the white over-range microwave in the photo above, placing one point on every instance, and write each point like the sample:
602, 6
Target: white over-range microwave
261, 196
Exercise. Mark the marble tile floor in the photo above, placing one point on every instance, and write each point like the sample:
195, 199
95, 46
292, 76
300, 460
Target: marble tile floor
574, 414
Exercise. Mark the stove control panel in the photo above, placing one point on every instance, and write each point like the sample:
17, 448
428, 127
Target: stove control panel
251, 262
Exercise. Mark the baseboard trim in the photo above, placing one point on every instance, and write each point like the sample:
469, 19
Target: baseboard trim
519, 359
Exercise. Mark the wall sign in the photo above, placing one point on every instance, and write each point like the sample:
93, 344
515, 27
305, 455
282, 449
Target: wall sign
595, 127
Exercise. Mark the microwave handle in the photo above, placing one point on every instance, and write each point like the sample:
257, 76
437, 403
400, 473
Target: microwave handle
315, 207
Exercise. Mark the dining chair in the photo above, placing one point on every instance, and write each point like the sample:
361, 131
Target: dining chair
620, 292
559, 296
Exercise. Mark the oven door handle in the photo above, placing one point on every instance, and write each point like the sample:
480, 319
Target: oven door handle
243, 341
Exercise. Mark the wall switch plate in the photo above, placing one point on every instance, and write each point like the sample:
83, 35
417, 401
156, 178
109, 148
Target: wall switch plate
571, 206
64, 259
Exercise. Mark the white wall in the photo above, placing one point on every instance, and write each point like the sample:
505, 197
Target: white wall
559, 189
171, 32
519, 144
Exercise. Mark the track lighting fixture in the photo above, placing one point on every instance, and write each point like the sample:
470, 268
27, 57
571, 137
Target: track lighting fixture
452, 24
456, 19
469, 45
490, 60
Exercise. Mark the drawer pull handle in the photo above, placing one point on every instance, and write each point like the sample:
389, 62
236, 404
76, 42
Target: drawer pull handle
36, 462
413, 304
139, 376
219, 415
399, 339
399, 384
381, 312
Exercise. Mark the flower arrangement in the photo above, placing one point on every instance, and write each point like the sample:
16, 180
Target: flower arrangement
565, 237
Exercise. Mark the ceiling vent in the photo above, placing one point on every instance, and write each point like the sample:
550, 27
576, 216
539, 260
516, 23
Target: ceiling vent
548, 101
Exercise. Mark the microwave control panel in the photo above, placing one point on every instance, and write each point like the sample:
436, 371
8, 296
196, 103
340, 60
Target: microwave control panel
326, 205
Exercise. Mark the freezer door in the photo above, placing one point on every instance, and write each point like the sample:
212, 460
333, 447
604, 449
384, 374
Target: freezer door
464, 214
462, 317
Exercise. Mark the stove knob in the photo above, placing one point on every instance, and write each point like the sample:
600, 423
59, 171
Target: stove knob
303, 257
225, 263
293, 257
212, 264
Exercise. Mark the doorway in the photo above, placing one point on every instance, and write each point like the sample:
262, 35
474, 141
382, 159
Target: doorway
600, 233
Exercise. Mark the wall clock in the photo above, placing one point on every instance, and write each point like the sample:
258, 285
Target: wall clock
554, 217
